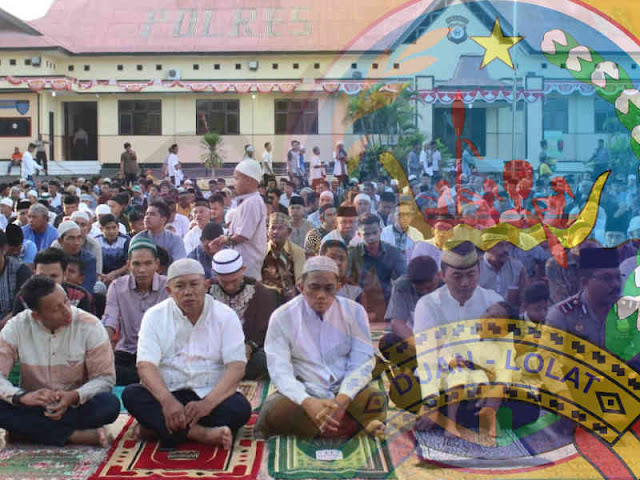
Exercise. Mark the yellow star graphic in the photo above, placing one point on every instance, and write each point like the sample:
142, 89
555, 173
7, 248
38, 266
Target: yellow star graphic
496, 46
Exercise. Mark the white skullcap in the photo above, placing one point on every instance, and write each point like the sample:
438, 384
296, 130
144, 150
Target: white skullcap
327, 193
83, 207
79, 214
102, 209
7, 202
32, 193
412, 177
184, 266
251, 148
227, 261
320, 263
66, 227
250, 168
362, 196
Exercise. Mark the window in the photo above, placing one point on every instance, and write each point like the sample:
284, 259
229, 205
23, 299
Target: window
238, 66
374, 66
556, 114
316, 66
221, 116
158, 66
27, 61
274, 66
139, 67
140, 117
70, 68
296, 116
15, 127
475, 128
12, 61
196, 66
296, 66
87, 68
605, 118
216, 66
120, 67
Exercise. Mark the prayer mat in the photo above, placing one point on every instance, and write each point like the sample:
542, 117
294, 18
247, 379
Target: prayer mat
129, 458
30, 462
254, 391
358, 457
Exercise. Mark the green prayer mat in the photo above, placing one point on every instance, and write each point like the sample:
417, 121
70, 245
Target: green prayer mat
14, 374
362, 457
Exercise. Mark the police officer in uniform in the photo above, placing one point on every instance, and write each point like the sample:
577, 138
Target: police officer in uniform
585, 313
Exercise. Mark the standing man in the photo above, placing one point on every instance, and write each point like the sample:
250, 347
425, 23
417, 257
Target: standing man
317, 173
267, 163
29, 165
129, 165
293, 160
191, 358
65, 393
173, 165
253, 302
248, 227
128, 298
320, 359
155, 220
413, 160
600, 159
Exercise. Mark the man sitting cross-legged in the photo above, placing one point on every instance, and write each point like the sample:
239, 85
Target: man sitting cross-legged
66, 371
320, 358
191, 357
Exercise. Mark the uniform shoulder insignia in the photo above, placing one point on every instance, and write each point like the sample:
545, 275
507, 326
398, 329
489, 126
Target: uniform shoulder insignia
569, 304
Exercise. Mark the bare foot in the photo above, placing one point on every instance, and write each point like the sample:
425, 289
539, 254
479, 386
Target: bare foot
216, 436
376, 429
141, 433
487, 422
95, 437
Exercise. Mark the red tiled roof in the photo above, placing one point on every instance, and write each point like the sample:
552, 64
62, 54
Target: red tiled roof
182, 26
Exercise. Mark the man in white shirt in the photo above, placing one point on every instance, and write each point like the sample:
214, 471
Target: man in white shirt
172, 163
191, 358
267, 161
316, 168
460, 298
29, 165
248, 226
320, 359
201, 216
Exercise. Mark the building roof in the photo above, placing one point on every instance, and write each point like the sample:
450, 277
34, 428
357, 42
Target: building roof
200, 26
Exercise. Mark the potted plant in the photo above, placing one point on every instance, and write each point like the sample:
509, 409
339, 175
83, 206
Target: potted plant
211, 158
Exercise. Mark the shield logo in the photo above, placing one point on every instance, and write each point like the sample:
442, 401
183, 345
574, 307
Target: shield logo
22, 106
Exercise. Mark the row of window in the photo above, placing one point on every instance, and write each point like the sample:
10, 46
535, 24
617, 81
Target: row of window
556, 115
144, 117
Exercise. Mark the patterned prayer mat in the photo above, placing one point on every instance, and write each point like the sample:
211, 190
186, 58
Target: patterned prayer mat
34, 463
132, 459
255, 392
357, 457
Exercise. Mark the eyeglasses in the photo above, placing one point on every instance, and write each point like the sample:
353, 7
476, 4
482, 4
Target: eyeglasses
314, 288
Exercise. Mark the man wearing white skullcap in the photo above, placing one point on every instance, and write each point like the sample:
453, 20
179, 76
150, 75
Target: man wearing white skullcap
320, 359
71, 241
252, 301
191, 358
248, 225
88, 243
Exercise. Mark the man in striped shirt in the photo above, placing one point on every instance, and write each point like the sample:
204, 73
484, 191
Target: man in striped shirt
67, 371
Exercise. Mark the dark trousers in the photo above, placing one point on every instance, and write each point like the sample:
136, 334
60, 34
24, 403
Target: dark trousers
126, 370
234, 412
404, 387
30, 422
130, 178
256, 368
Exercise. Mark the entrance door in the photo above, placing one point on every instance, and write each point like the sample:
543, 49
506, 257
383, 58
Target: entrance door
81, 130
51, 136
475, 128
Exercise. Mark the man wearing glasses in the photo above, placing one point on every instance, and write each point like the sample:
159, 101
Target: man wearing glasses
320, 358
585, 313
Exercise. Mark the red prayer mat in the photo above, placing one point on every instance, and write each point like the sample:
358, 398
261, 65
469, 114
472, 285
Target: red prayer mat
132, 459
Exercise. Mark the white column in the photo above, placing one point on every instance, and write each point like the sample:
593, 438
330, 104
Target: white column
534, 120
425, 110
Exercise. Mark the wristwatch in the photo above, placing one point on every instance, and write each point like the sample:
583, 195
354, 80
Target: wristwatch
253, 345
15, 400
